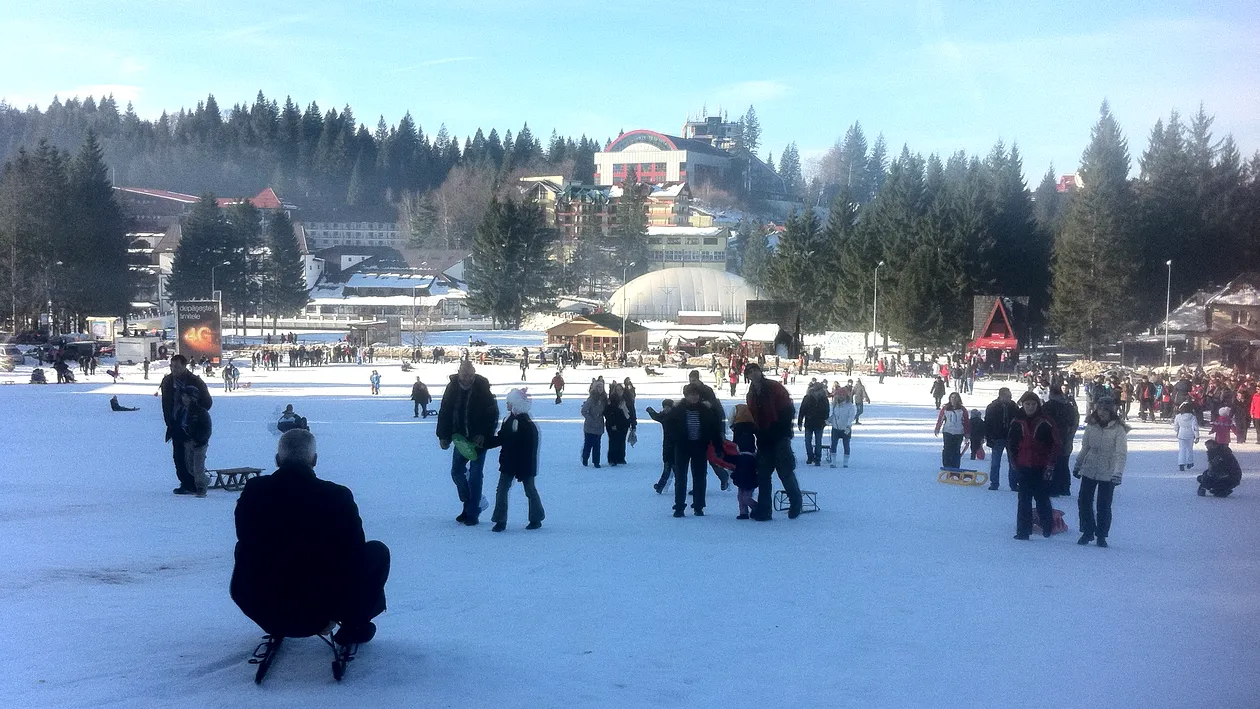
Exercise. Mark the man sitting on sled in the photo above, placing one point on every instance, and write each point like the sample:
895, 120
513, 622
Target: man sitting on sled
302, 563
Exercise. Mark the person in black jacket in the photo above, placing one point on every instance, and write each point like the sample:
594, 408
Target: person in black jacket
196, 427
772, 412
302, 562
938, 391
619, 420
667, 444
1066, 418
997, 422
518, 442
709, 397
812, 418
692, 426
1223, 473
469, 410
420, 399
173, 386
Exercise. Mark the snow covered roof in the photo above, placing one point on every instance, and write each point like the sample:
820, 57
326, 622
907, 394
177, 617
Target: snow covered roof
330, 296
762, 332
1247, 295
389, 280
687, 230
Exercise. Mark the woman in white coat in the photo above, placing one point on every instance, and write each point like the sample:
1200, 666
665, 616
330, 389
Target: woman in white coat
843, 414
1100, 466
1186, 426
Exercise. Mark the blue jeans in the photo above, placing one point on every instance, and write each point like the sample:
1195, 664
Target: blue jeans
995, 463
467, 476
590, 448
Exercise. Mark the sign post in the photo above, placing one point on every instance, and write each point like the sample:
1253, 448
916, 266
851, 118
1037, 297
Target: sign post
199, 330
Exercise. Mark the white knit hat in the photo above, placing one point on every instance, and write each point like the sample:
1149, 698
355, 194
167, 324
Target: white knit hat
519, 401
1225, 411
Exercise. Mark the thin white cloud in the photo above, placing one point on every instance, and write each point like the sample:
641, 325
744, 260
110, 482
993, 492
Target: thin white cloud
431, 62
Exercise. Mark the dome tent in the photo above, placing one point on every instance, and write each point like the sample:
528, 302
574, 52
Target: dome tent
661, 295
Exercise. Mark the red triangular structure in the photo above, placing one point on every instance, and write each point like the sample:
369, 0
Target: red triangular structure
997, 332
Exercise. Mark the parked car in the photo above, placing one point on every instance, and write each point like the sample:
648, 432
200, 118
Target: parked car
11, 354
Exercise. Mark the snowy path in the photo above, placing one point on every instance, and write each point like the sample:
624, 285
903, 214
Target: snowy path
901, 592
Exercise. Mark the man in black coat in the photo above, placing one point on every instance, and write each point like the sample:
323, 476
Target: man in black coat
997, 422
692, 426
772, 411
302, 562
420, 398
469, 410
173, 386
710, 399
1066, 419
814, 411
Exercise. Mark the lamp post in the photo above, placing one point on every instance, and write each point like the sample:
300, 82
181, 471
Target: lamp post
1168, 311
225, 263
624, 312
875, 308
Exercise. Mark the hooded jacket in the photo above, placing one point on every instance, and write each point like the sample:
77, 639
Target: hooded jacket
814, 408
519, 440
1104, 450
469, 412
843, 413
1186, 426
593, 414
172, 386
998, 417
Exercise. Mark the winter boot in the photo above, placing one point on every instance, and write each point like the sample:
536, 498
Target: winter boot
832, 465
678, 513
658, 487
846, 460
498, 527
1202, 491
1085, 539
534, 525
994, 486
1102, 542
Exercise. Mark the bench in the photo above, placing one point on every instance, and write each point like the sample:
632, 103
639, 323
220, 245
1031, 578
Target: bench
809, 501
232, 479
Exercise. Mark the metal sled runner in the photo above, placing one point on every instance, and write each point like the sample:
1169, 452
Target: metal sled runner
266, 651
961, 476
232, 479
783, 503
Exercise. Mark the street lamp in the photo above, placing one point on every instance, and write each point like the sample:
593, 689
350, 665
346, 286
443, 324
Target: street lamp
875, 307
48, 287
225, 263
1168, 311
624, 312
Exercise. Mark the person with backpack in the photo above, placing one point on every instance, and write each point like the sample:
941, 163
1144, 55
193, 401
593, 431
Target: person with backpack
1033, 444
1100, 467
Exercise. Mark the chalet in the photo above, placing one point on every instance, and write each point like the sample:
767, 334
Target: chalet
598, 331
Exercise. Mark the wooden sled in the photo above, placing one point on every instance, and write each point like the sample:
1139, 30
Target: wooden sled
962, 476
232, 479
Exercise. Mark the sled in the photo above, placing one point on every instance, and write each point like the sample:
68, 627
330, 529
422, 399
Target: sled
266, 651
232, 479
1057, 526
783, 503
465, 447
962, 476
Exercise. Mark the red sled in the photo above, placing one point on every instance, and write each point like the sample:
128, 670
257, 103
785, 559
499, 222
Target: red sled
1056, 527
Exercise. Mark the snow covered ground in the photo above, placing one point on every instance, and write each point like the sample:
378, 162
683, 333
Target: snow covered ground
901, 592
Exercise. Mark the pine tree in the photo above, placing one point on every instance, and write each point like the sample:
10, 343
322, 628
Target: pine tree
97, 256
750, 128
283, 274
512, 274
756, 252
795, 273
1093, 302
203, 235
790, 170
631, 230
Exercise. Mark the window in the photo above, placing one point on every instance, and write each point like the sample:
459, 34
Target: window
693, 241
654, 240
673, 241
710, 241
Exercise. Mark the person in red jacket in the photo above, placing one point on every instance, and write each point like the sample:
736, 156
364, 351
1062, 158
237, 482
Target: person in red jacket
1255, 414
1033, 445
772, 414
557, 383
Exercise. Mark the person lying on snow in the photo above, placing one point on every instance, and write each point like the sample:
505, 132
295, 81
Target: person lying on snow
115, 406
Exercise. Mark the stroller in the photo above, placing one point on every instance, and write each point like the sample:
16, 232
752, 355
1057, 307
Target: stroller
1223, 473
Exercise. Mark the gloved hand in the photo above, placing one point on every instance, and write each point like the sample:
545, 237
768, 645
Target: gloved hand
444, 443
1115, 479
1076, 472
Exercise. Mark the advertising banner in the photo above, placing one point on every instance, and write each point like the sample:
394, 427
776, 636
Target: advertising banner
102, 328
199, 327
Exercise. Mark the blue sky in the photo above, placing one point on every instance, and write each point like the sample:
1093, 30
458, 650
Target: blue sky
939, 76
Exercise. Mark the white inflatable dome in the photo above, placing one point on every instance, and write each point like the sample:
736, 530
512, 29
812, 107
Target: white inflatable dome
661, 295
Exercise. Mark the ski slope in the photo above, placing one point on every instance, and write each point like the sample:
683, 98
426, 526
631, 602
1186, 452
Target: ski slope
901, 592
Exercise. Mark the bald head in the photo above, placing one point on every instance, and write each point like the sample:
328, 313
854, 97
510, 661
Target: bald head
297, 447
